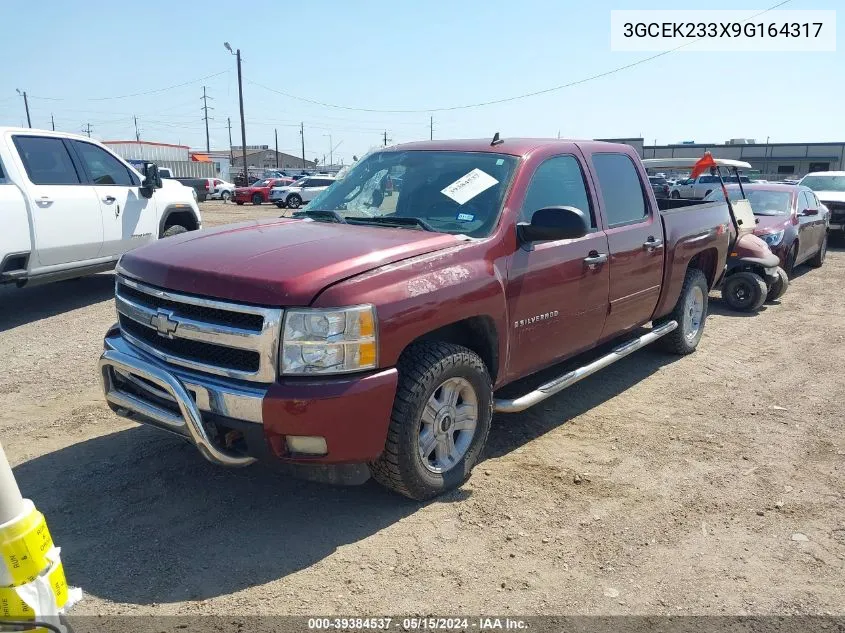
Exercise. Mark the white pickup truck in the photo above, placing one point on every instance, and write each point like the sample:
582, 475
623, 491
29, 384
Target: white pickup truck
70, 207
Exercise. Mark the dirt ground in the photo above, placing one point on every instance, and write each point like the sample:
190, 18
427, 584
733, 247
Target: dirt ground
709, 484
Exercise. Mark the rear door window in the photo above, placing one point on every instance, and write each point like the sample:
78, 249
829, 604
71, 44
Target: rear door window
621, 189
46, 160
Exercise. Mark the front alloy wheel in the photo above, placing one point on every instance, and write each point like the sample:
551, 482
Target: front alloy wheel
448, 424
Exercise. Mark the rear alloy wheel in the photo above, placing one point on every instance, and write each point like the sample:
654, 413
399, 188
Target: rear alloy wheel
690, 312
293, 201
675, 195
745, 291
818, 259
225, 196
257, 199
778, 288
440, 421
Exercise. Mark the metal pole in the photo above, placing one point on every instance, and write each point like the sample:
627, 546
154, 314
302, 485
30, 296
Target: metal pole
243, 122
385, 138
137, 134
431, 129
276, 135
52, 122
231, 152
302, 134
26, 105
331, 151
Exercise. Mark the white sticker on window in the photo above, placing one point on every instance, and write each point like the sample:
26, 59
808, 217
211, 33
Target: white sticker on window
467, 187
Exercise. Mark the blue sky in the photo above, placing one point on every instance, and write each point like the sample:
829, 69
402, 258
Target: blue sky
400, 55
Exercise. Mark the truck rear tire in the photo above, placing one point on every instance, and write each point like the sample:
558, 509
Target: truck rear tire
690, 312
440, 421
745, 291
778, 288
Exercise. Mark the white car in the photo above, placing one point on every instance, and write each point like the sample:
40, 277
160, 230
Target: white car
70, 207
829, 187
698, 188
221, 190
302, 191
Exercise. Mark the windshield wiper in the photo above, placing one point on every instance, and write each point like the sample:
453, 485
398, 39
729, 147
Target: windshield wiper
395, 221
321, 214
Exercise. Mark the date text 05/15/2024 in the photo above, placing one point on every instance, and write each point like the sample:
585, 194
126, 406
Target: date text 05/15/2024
418, 624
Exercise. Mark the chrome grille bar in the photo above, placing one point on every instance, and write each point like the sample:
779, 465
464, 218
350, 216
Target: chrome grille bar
171, 315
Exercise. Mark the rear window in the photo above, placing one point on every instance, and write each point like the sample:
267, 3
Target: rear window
46, 160
619, 181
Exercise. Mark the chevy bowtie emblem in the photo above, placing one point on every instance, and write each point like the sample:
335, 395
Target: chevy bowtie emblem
163, 322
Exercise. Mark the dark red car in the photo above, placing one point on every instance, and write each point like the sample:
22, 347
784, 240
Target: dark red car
790, 219
259, 192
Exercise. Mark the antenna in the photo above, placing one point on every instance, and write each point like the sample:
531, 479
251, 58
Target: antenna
496, 140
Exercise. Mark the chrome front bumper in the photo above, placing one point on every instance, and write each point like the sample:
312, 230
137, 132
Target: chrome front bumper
155, 385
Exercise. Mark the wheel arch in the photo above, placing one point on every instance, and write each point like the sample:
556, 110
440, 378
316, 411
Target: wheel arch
178, 214
477, 333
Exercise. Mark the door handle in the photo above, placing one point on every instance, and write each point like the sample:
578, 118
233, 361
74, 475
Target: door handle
44, 200
594, 259
652, 244
109, 199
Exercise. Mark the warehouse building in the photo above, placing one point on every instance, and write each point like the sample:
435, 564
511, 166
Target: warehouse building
261, 156
773, 161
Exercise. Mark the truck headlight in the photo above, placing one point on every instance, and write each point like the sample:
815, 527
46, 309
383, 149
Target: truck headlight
772, 239
333, 341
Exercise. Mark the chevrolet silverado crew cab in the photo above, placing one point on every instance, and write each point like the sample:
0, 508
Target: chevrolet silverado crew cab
70, 207
373, 333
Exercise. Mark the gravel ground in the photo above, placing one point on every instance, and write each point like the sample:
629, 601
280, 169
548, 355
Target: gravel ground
709, 484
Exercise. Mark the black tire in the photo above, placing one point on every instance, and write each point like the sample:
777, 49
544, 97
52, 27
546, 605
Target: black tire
257, 199
778, 288
293, 201
678, 341
423, 368
239, 203
675, 195
280, 204
174, 229
225, 196
745, 291
818, 259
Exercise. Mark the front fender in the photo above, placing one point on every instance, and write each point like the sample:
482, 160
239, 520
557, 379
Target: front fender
419, 295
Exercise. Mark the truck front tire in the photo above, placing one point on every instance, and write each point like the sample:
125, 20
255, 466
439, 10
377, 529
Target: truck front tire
690, 312
745, 291
440, 421
174, 229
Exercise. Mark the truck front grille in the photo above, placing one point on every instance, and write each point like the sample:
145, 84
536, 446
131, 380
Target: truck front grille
217, 337
837, 211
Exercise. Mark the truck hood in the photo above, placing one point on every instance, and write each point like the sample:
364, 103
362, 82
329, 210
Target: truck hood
281, 262
831, 196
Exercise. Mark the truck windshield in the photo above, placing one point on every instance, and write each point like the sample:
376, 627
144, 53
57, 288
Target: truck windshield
451, 192
824, 183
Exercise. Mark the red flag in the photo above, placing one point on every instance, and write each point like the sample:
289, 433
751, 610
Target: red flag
705, 163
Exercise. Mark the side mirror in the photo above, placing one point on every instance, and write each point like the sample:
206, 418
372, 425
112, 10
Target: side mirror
152, 179
810, 212
553, 223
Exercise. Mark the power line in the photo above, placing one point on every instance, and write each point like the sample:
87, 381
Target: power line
136, 94
504, 99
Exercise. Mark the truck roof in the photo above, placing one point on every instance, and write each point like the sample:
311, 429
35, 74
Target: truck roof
40, 132
514, 146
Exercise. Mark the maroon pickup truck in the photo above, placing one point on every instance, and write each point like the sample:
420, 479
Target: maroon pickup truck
370, 335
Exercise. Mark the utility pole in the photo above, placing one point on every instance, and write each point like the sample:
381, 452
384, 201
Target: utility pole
205, 109
385, 138
25, 105
241, 100
137, 133
52, 122
302, 134
87, 129
431, 129
231, 152
276, 134
558, 134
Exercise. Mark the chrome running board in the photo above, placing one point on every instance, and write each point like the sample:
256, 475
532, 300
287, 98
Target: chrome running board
568, 379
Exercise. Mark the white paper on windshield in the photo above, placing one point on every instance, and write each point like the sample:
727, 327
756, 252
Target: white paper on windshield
467, 187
